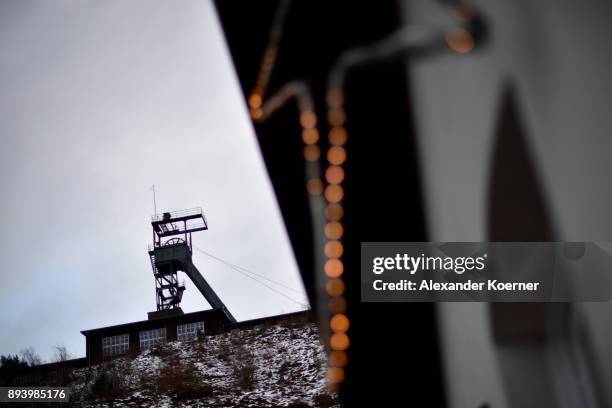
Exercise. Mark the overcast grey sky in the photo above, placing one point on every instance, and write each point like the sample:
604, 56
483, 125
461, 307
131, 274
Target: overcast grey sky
98, 101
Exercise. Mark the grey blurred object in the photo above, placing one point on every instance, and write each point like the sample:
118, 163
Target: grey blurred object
514, 144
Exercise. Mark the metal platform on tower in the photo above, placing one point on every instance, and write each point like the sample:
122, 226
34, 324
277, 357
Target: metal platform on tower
177, 223
171, 253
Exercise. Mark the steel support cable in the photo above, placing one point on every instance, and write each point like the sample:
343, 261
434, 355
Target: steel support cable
246, 272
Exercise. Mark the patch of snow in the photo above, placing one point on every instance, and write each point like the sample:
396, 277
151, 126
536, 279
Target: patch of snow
263, 366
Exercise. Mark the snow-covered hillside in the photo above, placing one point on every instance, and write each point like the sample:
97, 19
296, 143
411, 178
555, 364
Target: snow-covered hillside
277, 366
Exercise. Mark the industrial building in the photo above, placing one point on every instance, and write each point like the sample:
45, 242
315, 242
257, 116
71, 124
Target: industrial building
132, 338
170, 253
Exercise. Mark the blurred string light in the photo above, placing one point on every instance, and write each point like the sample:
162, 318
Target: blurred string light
256, 98
325, 196
326, 191
326, 236
336, 156
412, 41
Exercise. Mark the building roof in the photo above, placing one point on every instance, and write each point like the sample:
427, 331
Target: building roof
160, 321
301, 315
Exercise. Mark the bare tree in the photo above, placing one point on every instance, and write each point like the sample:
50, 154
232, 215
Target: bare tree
30, 356
61, 353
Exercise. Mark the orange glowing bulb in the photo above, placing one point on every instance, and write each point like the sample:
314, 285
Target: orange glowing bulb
334, 193
256, 113
337, 136
339, 323
333, 249
338, 358
310, 136
314, 187
339, 341
255, 101
334, 212
334, 268
459, 40
336, 155
337, 305
312, 152
336, 117
334, 175
335, 287
308, 119
334, 230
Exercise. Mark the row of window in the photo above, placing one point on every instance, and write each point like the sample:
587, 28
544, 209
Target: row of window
120, 344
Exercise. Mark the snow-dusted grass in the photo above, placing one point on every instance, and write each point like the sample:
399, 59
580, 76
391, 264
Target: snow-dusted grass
278, 366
